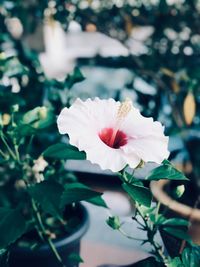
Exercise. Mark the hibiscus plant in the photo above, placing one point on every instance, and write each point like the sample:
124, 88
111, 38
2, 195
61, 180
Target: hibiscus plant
37, 193
117, 137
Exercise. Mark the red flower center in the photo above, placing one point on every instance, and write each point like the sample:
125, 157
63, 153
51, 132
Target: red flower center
113, 138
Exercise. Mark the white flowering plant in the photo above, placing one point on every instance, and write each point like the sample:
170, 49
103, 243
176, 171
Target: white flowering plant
117, 137
37, 194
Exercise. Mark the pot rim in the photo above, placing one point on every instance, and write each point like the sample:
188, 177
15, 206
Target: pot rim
157, 189
63, 241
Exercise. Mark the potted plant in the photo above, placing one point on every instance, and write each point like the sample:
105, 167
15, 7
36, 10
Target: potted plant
117, 137
41, 220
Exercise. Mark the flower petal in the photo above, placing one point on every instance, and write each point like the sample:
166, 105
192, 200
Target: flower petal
84, 120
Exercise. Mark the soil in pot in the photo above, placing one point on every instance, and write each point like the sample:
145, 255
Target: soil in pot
68, 244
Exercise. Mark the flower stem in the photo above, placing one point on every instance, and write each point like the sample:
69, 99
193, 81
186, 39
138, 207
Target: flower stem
151, 233
3, 154
42, 232
17, 153
7, 146
128, 236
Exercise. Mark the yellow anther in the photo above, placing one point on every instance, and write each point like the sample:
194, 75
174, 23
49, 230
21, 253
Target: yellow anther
124, 109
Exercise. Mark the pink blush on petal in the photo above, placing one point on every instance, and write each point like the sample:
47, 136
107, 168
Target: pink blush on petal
112, 138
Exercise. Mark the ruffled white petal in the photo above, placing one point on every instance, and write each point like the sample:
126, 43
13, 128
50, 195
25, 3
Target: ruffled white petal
106, 157
84, 120
150, 148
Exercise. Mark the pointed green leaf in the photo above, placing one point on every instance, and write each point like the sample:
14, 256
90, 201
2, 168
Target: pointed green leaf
48, 194
76, 192
12, 226
138, 193
175, 222
98, 201
166, 171
75, 258
63, 151
179, 233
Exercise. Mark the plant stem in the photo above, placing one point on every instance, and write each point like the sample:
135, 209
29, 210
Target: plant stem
151, 233
3, 154
7, 146
128, 236
157, 209
42, 232
17, 153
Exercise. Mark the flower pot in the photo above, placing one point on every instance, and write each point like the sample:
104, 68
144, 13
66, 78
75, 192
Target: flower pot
43, 256
178, 210
3, 258
150, 261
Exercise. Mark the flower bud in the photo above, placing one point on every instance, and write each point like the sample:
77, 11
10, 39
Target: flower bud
15, 108
179, 191
42, 112
6, 119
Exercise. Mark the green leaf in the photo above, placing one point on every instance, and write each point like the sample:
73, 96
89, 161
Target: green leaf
73, 257
63, 151
114, 222
149, 262
98, 201
146, 211
191, 256
166, 171
175, 222
158, 219
132, 180
138, 193
48, 194
39, 118
24, 130
176, 262
76, 192
76, 77
179, 233
12, 226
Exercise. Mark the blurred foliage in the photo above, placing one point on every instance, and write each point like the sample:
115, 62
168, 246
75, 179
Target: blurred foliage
169, 63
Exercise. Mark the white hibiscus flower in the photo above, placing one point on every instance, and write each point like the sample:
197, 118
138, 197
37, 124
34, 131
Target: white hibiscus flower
113, 134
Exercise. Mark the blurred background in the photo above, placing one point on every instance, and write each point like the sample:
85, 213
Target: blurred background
52, 52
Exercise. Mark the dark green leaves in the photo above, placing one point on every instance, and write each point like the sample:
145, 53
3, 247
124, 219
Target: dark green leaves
36, 119
48, 195
53, 197
191, 256
179, 233
77, 192
75, 258
63, 151
75, 77
98, 201
138, 193
166, 171
39, 118
12, 226
176, 262
175, 222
